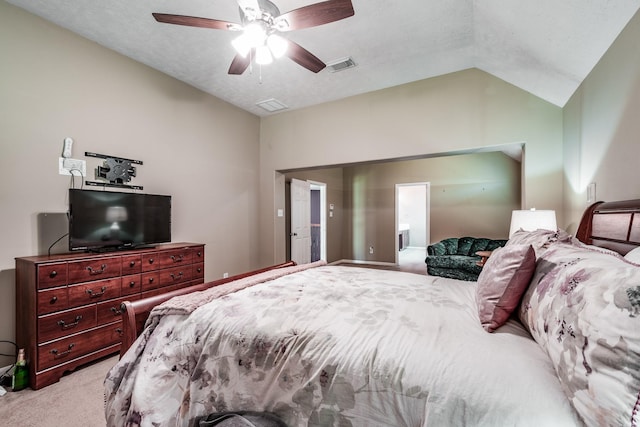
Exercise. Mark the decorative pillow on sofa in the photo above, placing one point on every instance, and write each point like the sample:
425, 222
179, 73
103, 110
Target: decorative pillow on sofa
504, 278
583, 309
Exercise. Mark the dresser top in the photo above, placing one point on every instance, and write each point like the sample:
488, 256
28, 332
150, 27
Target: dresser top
73, 256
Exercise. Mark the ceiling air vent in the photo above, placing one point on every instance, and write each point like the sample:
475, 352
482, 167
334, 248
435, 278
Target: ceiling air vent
271, 105
341, 64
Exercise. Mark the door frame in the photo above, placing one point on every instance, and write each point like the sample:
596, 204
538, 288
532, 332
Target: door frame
315, 185
427, 186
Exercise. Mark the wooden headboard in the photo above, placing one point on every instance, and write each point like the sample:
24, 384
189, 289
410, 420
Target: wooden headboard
611, 225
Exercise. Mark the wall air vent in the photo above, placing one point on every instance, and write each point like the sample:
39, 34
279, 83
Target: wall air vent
271, 105
341, 64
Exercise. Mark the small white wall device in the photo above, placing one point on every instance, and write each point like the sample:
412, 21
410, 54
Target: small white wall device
66, 149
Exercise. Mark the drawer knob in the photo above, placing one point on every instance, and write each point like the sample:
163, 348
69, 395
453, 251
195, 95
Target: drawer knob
119, 331
93, 294
53, 274
178, 258
199, 270
93, 271
64, 326
132, 264
150, 279
53, 300
176, 277
150, 260
116, 311
132, 284
199, 254
57, 354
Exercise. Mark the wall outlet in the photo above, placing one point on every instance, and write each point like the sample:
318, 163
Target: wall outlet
370, 249
225, 275
75, 166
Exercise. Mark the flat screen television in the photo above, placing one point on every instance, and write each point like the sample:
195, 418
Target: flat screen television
110, 220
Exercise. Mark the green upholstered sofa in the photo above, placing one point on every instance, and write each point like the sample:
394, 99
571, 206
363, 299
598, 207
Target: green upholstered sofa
456, 257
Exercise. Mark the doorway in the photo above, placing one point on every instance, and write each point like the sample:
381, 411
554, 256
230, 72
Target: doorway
306, 224
412, 224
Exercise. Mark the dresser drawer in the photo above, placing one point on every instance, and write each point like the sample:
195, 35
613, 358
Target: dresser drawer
54, 299
109, 311
150, 281
52, 275
131, 264
77, 345
165, 259
198, 271
176, 275
198, 254
131, 284
94, 269
92, 292
52, 326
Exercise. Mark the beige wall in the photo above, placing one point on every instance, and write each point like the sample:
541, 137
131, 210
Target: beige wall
457, 112
602, 128
470, 195
195, 147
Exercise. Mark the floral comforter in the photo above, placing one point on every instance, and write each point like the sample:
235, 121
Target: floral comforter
338, 346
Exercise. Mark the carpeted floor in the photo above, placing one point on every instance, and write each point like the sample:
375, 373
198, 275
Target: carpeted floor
76, 401
410, 260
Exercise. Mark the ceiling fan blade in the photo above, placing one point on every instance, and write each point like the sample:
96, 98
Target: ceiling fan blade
314, 15
192, 21
303, 57
240, 63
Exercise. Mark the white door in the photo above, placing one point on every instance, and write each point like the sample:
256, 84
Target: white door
300, 221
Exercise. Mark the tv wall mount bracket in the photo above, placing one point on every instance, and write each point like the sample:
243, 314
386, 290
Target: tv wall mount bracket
114, 172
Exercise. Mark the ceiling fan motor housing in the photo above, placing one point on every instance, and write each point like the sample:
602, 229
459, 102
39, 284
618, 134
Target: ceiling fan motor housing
267, 12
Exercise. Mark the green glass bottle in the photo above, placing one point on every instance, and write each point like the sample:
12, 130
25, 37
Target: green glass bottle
20, 373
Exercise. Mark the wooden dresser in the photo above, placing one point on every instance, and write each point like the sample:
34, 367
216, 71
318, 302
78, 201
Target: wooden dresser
68, 305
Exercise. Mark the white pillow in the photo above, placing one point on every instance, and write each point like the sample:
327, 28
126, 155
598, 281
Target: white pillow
633, 256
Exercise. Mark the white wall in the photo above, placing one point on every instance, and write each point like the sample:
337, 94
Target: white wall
200, 150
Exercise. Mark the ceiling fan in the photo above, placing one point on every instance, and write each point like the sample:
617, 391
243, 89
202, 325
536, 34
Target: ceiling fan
261, 23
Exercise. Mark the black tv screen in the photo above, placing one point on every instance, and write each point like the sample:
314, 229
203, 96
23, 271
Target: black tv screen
117, 220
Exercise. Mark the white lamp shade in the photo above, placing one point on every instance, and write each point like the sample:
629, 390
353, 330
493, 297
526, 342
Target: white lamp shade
532, 219
242, 45
277, 45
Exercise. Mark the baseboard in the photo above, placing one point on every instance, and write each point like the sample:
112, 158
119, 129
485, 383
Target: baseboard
357, 261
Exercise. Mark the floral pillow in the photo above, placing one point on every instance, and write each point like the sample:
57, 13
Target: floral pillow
540, 239
583, 308
501, 283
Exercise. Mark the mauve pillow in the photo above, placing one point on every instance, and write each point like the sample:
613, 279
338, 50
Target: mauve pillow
502, 282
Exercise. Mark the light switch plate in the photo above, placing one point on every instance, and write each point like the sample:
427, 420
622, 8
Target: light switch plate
65, 166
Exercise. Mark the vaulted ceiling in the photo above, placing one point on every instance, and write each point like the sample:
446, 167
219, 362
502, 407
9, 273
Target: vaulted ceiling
545, 47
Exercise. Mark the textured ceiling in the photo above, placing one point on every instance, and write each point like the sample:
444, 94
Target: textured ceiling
545, 47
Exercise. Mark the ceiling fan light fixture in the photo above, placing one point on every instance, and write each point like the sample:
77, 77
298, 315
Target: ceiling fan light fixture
255, 34
241, 45
263, 55
278, 45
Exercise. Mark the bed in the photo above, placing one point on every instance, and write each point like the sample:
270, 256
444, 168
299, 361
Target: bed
548, 336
